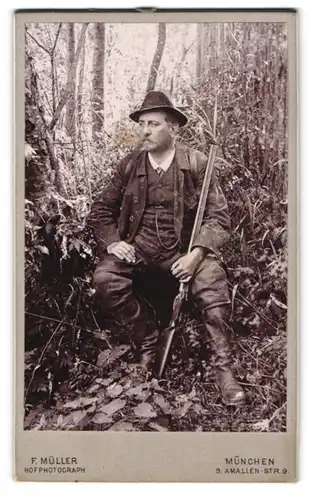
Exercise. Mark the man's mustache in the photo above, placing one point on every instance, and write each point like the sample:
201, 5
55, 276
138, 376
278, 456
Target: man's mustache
143, 140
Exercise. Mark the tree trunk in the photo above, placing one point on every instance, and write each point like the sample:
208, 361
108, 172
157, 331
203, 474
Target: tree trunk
70, 105
245, 150
47, 129
71, 78
41, 176
204, 48
80, 85
98, 81
157, 57
37, 172
199, 52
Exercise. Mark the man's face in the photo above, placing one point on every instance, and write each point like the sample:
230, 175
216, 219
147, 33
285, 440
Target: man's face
156, 133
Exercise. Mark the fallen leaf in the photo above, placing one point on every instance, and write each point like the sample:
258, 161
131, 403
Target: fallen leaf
79, 403
99, 380
157, 427
114, 391
199, 410
74, 417
42, 423
144, 410
155, 385
137, 392
107, 381
122, 426
108, 356
263, 425
278, 302
251, 378
60, 419
111, 408
29, 152
101, 418
93, 388
31, 417
182, 398
103, 358
160, 401
127, 385
181, 412
192, 394
77, 416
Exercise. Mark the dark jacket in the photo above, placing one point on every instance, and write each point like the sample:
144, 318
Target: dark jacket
118, 211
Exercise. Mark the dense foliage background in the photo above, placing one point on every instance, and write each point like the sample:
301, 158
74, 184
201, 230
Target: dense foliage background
81, 81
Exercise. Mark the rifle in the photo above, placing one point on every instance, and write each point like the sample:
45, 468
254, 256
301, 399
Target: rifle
168, 333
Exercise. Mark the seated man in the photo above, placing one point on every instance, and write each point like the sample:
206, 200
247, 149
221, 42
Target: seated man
144, 218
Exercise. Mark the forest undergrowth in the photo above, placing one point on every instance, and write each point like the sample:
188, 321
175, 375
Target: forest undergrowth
80, 369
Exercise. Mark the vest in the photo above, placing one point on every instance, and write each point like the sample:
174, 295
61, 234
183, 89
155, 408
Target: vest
156, 238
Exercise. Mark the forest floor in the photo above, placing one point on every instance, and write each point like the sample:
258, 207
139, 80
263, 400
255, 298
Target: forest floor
110, 392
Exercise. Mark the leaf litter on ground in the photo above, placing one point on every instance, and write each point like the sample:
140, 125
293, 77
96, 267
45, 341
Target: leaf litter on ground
112, 407
144, 410
80, 403
109, 356
114, 390
160, 401
138, 391
157, 427
74, 418
122, 426
101, 418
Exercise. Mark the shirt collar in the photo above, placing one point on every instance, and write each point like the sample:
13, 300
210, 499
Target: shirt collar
164, 165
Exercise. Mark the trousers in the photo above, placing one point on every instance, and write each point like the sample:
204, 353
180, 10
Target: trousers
115, 280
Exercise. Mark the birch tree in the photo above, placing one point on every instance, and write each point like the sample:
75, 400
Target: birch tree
71, 102
157, 57
98, 90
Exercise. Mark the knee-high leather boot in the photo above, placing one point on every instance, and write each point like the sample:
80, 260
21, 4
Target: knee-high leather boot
215, 323
147, 343
145, 332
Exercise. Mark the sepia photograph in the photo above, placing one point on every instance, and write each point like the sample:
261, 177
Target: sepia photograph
156, 160
156, 246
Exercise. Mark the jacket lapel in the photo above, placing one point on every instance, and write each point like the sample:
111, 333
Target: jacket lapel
134, 198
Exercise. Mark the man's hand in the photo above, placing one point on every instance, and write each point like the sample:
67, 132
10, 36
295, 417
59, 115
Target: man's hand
185, 267
122, 250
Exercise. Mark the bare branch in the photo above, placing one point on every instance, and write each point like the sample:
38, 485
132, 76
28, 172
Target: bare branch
47, 102
38, 43
62, 322
72, 71
57, 36
48, 31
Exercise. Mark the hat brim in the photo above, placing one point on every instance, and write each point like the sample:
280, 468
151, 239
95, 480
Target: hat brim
181, 118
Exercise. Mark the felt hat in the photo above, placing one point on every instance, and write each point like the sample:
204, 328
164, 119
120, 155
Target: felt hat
158, 101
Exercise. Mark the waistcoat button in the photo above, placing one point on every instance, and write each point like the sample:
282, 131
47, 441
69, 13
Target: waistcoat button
132, 218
